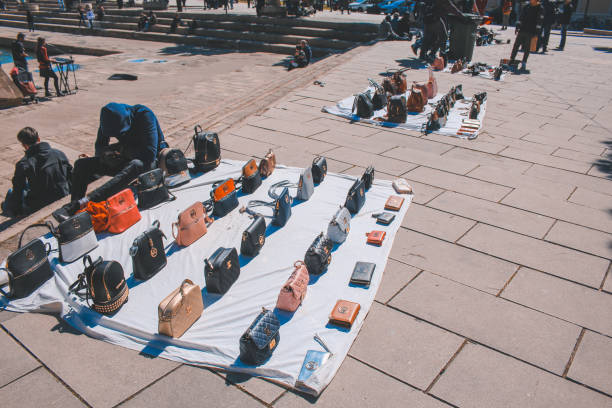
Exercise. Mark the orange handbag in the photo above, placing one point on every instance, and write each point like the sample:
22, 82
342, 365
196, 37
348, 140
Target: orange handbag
99, 215
122, 211
421, 87
224, 189
191, 225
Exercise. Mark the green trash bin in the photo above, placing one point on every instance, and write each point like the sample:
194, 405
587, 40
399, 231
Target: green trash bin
463, 35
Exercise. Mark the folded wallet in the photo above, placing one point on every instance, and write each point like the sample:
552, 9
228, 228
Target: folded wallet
376, 237
394, 203
344, 313
362, 273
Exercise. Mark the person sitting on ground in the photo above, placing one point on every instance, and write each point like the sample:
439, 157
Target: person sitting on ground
176, 21
307, 51
100, 13
142, 22
301, 56
385, 31
41, 176
140, 139
151, 21
403, 27
45, 68
529, 25
193, 26
90, 17
82, 20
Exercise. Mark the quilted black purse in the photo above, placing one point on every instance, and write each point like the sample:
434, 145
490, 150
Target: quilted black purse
319, 169
28, 267
261, 338
103, 283
355, 197
221, 270
318, 256
151, 189
147, 251
207, 150
368, 177
254, 237
282, 207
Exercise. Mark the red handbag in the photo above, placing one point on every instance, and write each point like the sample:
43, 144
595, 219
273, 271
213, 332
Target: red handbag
122, 211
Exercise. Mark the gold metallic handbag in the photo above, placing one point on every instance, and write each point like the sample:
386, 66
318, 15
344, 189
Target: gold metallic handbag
180, 309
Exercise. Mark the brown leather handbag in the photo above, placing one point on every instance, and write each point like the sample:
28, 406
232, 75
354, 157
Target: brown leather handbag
421, 87
457, 66
191, 224
400, 82
267, 164
180, 309
416, 101
438, 64
294, 290
432, 86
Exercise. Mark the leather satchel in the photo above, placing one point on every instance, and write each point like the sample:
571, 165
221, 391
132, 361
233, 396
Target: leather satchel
368, 177
355, 199
399, 82
344, 313
396, 109
432, 86
267, 164
180, 309
421, 87
224, 198
261, 338
363, 106
251, 179
28, 267
438, 64
319, 169
318, 256
294, 290
416, 101
151, 189
221, 270
76, 237
207, 150
191, 224
457, 66
281, 205
122, 211
104, 284
339, 226
254, 237
147, 252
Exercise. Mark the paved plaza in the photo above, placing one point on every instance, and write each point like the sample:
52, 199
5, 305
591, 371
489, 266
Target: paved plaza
497, 292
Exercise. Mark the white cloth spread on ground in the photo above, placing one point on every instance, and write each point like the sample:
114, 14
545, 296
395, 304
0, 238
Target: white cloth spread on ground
414, 121
488, 74
213, 340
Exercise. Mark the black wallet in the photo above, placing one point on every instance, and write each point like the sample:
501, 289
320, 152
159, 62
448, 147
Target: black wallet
362, 274
384, 218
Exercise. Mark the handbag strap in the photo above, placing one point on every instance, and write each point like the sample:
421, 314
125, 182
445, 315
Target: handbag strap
285, 183
46, 224
257, 203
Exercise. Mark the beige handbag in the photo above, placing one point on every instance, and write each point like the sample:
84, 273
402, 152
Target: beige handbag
180, 309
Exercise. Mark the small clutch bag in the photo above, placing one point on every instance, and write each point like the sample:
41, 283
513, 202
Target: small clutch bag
151, 189
394, 203
251, 178
294, 290
339, 226
355, 199
368, 177
221, 270
344, 313
267, 164
362, 273
318, 256
376, 237
254, 237
147, 251
319, 169
180, 309
261, 338
224, 198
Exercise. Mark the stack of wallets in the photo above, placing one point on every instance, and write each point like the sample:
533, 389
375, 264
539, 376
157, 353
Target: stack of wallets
394, 203
469, 127
362, 273
344, 313
313, 360
376, 237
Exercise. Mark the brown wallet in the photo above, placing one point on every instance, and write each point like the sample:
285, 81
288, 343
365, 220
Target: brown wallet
394, 203
344, 313
376, 237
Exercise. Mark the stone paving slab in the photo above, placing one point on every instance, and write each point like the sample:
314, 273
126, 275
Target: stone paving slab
14, 360
38, 389
436, 223
592, 364
585, 239
395, 277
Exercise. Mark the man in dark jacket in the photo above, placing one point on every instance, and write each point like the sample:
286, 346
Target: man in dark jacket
140, 139
435, 32
547, 22
41, 176
529, 25
19, 54
564, 19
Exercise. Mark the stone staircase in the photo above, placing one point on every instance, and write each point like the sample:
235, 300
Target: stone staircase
241, 32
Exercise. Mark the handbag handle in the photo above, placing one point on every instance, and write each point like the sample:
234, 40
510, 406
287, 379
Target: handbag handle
277, 185
174, 234
47, 225
185, 282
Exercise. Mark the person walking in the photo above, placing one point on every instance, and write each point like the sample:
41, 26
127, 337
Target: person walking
30, 20
506, 11
528, 27
547, 22
45, 68
564, 19
179, 6
435, 32
61, 5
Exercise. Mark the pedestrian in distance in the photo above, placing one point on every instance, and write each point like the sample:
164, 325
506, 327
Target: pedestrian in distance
30, 20
564, 19
527, 29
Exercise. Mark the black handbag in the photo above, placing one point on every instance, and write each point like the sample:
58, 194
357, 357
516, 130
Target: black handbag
379, 100
224, 205
363, 105
318, 256
147, 251
151, 189
207, 150
251, 178
28, 267
396, 109
281, 207
261, 338
104, 284
254, 237
319, 169
221, 270
355, 197
368, 177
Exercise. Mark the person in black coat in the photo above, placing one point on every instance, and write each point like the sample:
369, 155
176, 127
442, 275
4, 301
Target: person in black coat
547, 22
564, 19
41, 177
528, 27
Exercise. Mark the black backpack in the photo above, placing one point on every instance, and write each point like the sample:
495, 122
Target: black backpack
363, 105
207, 150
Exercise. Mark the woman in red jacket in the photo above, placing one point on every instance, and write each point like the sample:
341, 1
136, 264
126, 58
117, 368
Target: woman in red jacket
46, 70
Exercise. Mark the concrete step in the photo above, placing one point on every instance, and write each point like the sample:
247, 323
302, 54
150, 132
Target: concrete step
198, 40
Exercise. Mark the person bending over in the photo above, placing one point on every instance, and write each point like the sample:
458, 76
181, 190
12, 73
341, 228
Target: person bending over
140, 139
41, 176
44, 65
529, 26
